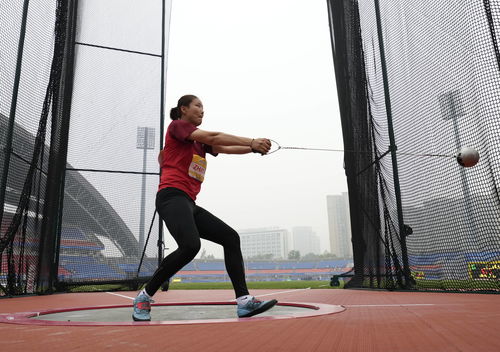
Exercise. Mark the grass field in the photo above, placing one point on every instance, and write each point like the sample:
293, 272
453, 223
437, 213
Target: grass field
252, 285
440, 285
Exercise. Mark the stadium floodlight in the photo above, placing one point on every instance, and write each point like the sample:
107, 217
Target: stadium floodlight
145, 138
452, 109
145, 141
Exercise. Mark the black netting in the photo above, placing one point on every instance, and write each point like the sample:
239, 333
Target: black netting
33, 43
80, 126
114, 139
429, 74
101, 229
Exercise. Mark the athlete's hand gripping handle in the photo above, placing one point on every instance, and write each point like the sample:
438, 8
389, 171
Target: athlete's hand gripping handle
260, 145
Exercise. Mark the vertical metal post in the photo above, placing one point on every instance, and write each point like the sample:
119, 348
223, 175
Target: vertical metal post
393, 148
491, 25
54, 193
67, 95
12, 116
162, 117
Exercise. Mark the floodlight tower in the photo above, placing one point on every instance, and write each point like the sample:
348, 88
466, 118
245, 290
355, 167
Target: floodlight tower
145, 141
452, 109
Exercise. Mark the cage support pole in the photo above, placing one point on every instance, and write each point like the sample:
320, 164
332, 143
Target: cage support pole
393, 148
7, 150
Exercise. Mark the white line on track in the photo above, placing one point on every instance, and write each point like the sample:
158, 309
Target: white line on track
387, 305
277, 293
116, 294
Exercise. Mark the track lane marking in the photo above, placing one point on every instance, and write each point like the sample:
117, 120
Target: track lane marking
388, 305
116, 294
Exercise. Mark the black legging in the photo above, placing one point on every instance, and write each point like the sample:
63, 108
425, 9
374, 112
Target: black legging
187, 223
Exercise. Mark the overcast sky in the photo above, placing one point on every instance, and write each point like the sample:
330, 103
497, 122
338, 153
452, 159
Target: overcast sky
262, 69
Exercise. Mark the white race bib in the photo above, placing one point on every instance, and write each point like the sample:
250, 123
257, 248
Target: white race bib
198, 167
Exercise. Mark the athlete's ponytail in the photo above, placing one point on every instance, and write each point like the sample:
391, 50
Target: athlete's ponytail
185, 100
175, 113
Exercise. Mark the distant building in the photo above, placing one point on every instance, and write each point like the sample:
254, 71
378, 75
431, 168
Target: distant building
265, 241
305, 240
339, 225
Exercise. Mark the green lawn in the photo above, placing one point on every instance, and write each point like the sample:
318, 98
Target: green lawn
252, 285
275, 285
469, 285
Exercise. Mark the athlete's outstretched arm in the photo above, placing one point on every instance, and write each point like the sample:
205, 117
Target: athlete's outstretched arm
230, 144
232, 149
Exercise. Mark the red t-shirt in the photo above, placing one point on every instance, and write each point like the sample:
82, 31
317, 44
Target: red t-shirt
184, 162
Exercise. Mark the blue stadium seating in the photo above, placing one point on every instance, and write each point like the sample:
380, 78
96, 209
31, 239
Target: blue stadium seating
86, 267
68, 233
128, 267
89, 271
262, 265
210, 266
74, 238
190, 267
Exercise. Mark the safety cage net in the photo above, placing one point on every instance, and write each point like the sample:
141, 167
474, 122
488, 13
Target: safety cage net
417, 81
81, 99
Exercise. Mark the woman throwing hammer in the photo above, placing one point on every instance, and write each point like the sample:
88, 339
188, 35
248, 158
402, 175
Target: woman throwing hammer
183, 166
